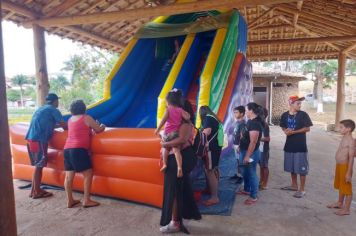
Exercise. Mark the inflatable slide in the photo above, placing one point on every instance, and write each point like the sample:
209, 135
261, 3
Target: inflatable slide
203, 54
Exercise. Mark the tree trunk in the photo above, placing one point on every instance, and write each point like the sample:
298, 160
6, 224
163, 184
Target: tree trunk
315, 93
320, 108
21, 97
340, 101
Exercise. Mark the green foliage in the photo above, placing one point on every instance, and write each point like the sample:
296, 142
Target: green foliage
88, 72
58, 84
13, 95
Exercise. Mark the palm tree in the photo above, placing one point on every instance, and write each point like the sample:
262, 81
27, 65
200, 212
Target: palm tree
58, 83
20, 81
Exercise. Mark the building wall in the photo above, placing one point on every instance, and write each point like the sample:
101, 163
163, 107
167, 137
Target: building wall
282, 89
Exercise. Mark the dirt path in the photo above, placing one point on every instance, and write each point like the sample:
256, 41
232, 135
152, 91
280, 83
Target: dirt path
277, 212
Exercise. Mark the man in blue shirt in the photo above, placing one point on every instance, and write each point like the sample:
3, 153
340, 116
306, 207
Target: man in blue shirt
44, 121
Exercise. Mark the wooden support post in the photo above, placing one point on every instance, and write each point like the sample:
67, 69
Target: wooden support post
7, 199
42, 84
340, 96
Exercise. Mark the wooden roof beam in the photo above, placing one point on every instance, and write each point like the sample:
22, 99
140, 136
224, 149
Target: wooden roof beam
292, 55
268, 27
261, 17
303, 40
348, 49
25, 12
172, 9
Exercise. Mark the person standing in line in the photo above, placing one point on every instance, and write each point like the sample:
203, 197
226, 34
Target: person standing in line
264, 149
295, 124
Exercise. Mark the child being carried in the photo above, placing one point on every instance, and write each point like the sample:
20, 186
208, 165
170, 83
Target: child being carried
172, 120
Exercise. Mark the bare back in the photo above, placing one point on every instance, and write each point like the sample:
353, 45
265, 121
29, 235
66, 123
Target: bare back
342, 154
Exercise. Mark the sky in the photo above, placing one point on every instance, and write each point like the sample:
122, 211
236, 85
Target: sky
19, 53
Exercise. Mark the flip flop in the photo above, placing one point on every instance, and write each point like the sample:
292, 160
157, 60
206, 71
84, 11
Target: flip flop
74, 203
289, 188
210, 203
43, 195
243, 192
250, 202
93, 205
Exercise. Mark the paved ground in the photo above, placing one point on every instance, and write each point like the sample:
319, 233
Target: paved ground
277, 212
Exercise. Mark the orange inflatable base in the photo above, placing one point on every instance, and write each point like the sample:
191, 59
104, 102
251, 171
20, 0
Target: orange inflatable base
125, 165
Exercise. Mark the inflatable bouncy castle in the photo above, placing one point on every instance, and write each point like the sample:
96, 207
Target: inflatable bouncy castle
203, 54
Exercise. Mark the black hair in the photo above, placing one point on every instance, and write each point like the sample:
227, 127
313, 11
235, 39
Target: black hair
258, 111
78, 107
188, 108
175, 98
240, 109
205, 110
265, 113
348, 124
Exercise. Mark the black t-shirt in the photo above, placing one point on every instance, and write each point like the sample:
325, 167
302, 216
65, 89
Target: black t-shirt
296, 142
213, 124
252, 125
265, 134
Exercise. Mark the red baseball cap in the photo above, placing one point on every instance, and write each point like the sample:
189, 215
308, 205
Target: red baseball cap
295, 98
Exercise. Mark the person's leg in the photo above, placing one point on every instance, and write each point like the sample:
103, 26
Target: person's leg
213, 185
164, 159
36, 181
178, 157
253, 180
68, 184
346, 209
265, 177
339, 204
88, 177
302, 182
294, 180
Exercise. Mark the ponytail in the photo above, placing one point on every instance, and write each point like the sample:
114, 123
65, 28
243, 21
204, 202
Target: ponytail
258, 111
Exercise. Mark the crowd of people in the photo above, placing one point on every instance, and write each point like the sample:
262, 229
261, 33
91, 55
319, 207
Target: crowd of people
251, 140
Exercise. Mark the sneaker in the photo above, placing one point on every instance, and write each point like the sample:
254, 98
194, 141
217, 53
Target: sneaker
172, 227
299, 194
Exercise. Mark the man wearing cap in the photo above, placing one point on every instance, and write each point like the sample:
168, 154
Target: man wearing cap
295, 124
44, 121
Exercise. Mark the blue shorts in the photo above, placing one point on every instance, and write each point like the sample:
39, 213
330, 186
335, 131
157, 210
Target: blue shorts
37, 152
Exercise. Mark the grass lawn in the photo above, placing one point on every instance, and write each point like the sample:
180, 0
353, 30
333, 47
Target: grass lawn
17, 115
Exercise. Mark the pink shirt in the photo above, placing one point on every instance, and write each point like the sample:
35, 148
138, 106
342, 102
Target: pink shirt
78, 134
174, 119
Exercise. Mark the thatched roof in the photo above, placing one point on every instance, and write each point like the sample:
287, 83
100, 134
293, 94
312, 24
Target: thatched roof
318, 28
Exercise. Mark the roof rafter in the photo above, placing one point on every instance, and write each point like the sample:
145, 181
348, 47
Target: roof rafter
132, 14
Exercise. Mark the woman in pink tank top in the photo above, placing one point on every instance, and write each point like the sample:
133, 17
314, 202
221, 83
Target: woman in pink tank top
172, 120
76, 152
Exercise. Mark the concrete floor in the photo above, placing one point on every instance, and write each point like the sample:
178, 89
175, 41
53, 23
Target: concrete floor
277, 212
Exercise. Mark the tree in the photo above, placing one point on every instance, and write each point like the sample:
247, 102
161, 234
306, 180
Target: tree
59, 83
325, 73
13, 95
20, 81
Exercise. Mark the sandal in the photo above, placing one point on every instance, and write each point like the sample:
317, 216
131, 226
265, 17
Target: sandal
42, 195
250, 201
289, 188
299, 194
243, 192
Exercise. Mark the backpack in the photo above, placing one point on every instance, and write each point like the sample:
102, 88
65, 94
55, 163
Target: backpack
220, 133
200, 144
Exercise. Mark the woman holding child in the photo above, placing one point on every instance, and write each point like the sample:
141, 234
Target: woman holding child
178, 198
249, 151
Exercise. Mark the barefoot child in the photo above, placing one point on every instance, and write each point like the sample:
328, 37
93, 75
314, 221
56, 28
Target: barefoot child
344, 164
172, 120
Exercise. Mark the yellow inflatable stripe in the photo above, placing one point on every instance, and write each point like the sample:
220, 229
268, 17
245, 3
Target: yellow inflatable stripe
160, 19
173, 74
107, 82
206, 76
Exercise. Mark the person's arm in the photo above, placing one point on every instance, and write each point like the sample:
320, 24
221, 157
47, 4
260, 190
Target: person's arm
251, 147
183, 136
163, 121
94, 125
185, 115
266, 137
59, 119
299, 131
350, 165
63, 124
